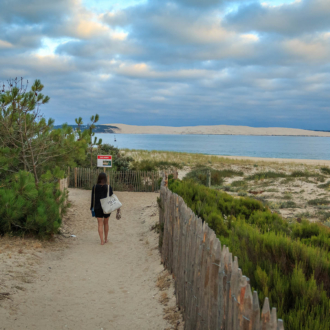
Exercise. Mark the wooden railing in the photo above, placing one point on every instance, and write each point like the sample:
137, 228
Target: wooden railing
210, 288
139, 181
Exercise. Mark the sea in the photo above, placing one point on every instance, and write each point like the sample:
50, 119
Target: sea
293, 147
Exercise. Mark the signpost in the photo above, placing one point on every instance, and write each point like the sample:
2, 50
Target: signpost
104, 161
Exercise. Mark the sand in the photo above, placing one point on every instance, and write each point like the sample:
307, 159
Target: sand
86, 285
216, 129
312, 162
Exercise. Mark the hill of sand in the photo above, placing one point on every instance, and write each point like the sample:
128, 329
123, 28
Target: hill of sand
216, 129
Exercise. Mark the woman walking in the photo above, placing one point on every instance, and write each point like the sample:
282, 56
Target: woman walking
99, 191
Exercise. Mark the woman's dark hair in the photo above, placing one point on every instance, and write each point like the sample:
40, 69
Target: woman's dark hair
102, 178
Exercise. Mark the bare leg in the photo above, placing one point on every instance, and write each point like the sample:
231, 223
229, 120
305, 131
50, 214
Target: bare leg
106, 229
100, 224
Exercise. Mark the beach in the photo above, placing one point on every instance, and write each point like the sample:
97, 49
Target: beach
215, 130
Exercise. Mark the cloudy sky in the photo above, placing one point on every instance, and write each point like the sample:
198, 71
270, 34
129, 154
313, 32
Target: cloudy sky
175, 63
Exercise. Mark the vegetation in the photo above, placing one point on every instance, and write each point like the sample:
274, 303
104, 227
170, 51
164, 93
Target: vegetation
33, 157
199, 175
276, 175
325, 170
154, 165
287, 262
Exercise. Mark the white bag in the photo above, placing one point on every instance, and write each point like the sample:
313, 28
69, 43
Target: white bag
110, 203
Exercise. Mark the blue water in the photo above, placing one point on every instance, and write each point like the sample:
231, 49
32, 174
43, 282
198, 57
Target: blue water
295, 147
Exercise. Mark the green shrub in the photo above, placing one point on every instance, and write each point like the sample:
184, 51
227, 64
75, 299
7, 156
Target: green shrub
153, 165
239, 183
199, 175
289, 177
325, 170
318, 201
288, 205
289, 263
26, 208
266, 175
324, 185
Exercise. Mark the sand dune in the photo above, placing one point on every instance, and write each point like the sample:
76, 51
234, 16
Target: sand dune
216, 129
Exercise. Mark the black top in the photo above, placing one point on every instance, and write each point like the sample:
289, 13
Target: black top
101, 191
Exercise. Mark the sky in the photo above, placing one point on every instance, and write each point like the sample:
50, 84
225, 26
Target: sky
173, 63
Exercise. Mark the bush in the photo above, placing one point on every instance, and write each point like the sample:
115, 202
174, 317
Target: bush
318, 201
27, 208
324, 185
240, 184
325, 170
288, 205
266, 175
289, 263
153, 165
276, 175
199, 175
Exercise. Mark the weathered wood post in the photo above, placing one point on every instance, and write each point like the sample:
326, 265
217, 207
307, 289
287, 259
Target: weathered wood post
153, 181
75, 177
68, 177
208, 178
166, 179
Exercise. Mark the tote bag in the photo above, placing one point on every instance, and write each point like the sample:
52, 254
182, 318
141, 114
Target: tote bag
110, 203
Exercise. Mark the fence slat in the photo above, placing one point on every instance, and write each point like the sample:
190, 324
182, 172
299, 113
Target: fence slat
265, 315
280, 325
255, 312
214, 284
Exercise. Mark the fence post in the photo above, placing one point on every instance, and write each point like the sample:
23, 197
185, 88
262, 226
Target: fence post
208, 178
75, 177
166, 179
153, 181
175, 173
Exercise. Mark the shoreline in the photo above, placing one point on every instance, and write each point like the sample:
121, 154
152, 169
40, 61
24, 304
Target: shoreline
213, 130
321, 162
280, 160
213, 134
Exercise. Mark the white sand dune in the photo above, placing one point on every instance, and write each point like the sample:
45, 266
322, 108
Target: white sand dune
216, 129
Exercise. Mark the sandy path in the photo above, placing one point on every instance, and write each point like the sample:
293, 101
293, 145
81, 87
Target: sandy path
89, 286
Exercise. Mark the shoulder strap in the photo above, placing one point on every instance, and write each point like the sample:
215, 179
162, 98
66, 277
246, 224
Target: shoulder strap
108, 190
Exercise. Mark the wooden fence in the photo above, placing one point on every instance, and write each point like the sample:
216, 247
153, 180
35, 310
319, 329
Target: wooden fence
119, 180
210, 288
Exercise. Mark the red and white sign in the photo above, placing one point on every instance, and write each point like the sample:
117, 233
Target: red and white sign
104, 161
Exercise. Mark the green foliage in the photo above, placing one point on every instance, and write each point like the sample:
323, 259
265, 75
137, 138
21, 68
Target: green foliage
276, 175
318, 201
27, 208
266, 175
288, 205
199, 175
33, 156
153, 165
240, 183
325, 170
289, 263
324, 185
27, 140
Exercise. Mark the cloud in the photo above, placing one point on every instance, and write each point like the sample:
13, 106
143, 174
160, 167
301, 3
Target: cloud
294, 19
200, 62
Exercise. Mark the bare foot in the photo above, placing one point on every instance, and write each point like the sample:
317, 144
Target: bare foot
106, 241
102, 243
